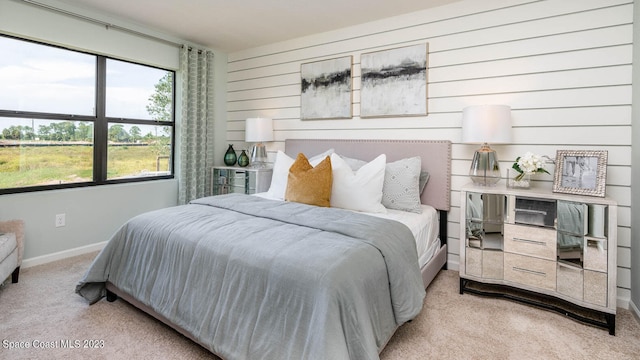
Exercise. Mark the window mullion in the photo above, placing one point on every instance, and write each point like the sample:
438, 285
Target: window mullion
101, 127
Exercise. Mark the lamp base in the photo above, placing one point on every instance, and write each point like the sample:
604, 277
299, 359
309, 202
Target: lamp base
258, 156
485, 169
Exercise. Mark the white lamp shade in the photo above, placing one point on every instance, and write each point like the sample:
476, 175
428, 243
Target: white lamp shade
486, 124
258, 130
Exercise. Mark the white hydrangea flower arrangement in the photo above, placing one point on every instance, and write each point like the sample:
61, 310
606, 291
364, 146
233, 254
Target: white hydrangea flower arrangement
528, 164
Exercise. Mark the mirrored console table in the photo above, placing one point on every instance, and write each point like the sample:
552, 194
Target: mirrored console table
556, 251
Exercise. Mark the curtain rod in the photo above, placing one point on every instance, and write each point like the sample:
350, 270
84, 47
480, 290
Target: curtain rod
100, 22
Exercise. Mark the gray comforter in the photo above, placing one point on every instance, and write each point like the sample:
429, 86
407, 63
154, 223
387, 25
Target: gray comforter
252, 278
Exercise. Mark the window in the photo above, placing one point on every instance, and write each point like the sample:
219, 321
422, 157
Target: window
69, 119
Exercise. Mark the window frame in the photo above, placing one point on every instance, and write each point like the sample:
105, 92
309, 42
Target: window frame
100, 127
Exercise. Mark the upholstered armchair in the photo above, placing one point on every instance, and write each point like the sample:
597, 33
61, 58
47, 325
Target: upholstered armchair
11, 249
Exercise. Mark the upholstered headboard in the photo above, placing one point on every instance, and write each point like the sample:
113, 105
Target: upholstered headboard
435, 155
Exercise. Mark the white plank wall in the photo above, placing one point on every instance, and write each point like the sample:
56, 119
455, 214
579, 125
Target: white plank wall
564, 66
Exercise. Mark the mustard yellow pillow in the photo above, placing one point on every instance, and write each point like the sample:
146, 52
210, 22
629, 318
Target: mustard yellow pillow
309, 185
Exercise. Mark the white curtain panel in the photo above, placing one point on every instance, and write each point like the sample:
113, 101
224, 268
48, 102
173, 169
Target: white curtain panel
196, 126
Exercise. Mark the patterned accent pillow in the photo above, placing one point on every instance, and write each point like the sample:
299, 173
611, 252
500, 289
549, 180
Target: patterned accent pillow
309, 185
401, 189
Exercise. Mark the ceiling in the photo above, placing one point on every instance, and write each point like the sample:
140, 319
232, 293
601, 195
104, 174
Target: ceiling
233, 25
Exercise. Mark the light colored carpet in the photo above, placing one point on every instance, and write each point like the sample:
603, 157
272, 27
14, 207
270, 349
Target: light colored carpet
44, 308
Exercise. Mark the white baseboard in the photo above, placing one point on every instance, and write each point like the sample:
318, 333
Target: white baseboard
634, 310
453, 265
44, 259
623, 302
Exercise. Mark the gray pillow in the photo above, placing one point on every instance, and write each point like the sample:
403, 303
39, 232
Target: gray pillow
354, 164
401, 189
424, 179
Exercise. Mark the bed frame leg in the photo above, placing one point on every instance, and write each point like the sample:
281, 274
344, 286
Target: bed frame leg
443, 233
15, 275
111, 297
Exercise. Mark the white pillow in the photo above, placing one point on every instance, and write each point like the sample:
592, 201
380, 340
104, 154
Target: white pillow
281, 172
360, 190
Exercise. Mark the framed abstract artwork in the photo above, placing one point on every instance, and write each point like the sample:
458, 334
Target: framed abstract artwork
394, 82
581, 172
326, 89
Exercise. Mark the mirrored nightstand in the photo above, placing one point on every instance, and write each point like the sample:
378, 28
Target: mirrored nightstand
233, 179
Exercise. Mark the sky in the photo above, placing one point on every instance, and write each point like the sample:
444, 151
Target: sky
41, 78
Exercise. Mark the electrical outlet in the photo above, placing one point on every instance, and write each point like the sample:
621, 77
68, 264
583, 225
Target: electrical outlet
60, 220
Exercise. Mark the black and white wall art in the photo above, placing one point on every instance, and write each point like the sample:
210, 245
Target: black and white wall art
326, 89
394, 82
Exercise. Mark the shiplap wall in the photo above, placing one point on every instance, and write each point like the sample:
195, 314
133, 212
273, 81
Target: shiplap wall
564, 66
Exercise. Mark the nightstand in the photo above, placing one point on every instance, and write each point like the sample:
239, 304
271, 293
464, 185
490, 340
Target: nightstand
243, 180
556, 251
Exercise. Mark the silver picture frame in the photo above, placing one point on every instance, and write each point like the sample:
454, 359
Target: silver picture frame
581, 172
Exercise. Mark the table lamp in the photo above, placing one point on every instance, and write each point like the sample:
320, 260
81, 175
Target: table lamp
258, 130
484, 124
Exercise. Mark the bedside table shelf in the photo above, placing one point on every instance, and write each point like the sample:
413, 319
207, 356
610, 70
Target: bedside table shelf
243, 180
560, 247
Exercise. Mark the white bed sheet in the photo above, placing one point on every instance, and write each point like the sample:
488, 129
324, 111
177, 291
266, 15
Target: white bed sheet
424, 227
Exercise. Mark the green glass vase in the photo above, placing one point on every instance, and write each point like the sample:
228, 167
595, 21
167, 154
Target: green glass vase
243, 159
230, 156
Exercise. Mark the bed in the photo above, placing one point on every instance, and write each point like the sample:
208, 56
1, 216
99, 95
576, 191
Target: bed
249, 277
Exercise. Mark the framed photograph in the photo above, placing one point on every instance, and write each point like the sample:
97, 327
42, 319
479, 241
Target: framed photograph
326, 89
581, 172
394, 82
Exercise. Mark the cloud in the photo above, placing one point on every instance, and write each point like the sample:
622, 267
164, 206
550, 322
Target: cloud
41, 71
